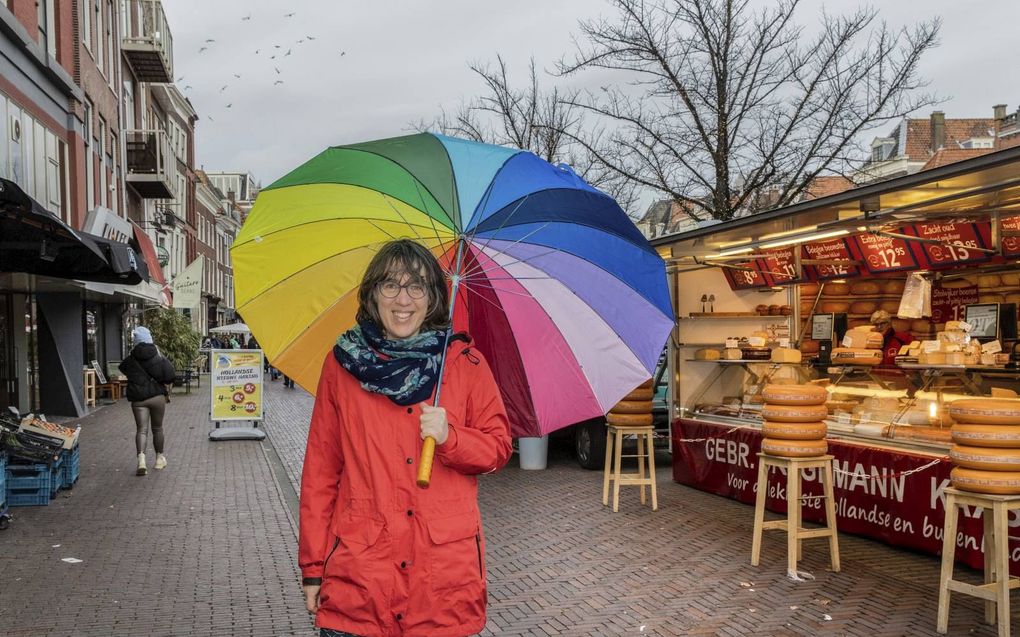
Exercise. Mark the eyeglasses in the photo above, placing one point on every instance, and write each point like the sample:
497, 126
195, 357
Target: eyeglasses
391, 290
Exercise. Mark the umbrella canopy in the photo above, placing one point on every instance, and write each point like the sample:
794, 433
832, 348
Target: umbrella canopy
233, 328
559, 290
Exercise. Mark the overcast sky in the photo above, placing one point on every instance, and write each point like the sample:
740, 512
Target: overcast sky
373, 68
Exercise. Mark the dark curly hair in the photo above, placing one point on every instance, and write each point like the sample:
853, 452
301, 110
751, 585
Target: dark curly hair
395, 259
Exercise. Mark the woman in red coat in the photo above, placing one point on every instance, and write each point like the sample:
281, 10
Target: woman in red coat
379, 555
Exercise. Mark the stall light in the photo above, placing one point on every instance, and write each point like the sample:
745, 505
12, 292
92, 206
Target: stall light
729, 253
838, 281
786, 233
807, 239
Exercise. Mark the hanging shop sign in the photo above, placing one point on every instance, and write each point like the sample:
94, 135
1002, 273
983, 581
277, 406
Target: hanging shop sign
780, 266
1010, 245
832, 250
883, 254
949, 303
876, 493
956, 243
236, 384
746, 276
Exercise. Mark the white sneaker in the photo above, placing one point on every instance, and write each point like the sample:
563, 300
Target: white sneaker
160, 461
141, 465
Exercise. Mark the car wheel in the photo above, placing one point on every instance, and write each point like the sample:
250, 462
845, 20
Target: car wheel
590, 443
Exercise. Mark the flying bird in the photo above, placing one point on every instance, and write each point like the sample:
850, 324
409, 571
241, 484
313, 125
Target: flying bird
237, 76
289, 15
257, 51
209, 117
276, 46
343, 53
181, 78
224, 88
277, 70
309, 37
229, 105
188, 87
277, 82
272, 57
203, 49
247, 17
210, 40
287, 53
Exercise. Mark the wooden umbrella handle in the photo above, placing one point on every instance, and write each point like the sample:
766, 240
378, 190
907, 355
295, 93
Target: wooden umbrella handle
428, 451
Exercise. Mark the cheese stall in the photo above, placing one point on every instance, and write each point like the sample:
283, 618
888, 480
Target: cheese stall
791, 297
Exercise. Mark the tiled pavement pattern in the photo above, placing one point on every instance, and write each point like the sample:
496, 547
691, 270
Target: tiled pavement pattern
207, 548
204, 547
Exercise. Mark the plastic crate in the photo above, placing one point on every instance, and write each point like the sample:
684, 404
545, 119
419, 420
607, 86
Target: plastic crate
29, 484
57, 475
3, 481
71, 467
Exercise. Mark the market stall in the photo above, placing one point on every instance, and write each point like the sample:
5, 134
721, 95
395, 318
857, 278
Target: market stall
788, 296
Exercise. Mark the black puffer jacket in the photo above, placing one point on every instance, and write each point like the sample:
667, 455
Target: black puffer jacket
147, 372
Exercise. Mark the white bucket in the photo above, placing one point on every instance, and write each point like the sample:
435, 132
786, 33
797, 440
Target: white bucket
533, 452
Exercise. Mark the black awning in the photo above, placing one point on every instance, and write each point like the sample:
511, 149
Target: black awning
36, 241
124, 261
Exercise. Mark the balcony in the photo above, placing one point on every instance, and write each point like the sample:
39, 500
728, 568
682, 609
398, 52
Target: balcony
148, 45
150, 163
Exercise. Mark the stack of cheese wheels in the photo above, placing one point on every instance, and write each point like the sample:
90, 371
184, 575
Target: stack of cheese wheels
986, 449
793, 424
635, 410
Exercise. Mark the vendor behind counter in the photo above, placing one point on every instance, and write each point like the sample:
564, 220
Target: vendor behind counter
892, 340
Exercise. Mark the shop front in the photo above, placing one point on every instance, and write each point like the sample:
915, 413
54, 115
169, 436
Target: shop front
790, 296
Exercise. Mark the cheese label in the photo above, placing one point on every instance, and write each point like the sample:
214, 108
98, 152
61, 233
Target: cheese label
929, 346
756, 341
847, 341
991, 347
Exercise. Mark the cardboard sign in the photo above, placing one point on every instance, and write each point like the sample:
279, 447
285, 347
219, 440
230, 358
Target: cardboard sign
835, 250
884, 254
745, 279
956, 239
780, 267
949, 304
236, 383
1011, 245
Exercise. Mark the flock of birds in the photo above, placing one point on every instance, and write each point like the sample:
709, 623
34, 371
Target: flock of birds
277, 57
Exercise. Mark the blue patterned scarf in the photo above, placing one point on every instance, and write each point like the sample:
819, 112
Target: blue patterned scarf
408, 373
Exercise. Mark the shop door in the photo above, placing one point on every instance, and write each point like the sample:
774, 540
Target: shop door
8, 365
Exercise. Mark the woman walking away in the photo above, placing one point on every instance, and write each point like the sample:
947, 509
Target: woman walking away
379, 555
148, 373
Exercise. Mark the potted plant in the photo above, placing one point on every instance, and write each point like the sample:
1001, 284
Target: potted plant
175, 337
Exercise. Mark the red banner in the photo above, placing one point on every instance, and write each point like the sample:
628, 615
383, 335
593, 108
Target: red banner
835, 250
955, 243
779, 266
873, 496
884, 254
1011, 245
947, 304
745, 279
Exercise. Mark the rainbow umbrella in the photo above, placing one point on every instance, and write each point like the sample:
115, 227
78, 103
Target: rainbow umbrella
559, 290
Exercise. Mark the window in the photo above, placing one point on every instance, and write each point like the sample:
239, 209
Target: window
4, 138
100, 150
86, 24
101, 57
111, 47
90, 170
47, 27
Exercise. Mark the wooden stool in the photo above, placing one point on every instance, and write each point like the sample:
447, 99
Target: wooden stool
998, 583
89, 378
613, 461
112, 389
795, 534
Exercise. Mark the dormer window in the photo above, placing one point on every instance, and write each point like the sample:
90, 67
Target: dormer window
882, 148
978, 142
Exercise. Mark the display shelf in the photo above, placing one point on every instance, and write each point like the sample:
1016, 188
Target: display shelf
732, 315
739, 361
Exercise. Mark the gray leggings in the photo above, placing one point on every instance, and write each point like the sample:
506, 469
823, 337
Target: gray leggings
149, 412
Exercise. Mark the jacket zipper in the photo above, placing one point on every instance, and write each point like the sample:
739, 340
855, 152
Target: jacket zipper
478, 545
336, 543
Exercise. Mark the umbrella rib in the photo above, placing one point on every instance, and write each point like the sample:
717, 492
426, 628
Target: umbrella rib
402, 217
432, 220
494, 288
527, 261
481, 270
510, 216
309, 223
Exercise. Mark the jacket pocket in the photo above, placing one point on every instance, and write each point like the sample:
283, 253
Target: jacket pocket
352, 570
455, 553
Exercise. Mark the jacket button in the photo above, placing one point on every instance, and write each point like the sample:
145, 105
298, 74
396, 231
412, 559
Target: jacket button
410, 461
410, 512
410, 410
403, 565
399, 616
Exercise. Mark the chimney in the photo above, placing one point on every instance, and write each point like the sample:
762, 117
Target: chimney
938, 130
999, 112
231, 196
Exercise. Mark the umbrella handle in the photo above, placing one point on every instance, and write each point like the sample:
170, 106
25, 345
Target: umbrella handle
428, 450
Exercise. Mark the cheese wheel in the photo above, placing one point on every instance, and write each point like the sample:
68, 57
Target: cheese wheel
857, 323
863, 307
808, 289
892, 307
901, 325
988, 281
985, 458
808, 346
645, 385
985, 411
1001, 436
840, 405
920, 325
1010, 278
794, 430
632, 407
861, 288
641, 393
835, 307
836, 289
1013, 297
786, 355
805, 307
991, 298
794, 448
957, 283
919, 433
856, 356
794, 413
994, 482
794, 394
893, 286
629, 420
707, 355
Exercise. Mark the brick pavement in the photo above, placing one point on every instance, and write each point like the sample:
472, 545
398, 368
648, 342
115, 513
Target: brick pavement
205, 547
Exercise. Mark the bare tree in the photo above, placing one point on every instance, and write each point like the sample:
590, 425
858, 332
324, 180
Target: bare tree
531, 117
732, 109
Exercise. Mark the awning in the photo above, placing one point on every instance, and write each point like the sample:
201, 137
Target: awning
148, 252
35, 241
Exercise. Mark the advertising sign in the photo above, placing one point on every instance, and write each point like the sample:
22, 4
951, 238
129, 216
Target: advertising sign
780, 267
1011, 245
188, 286
948, 304
884, 254
892, 496
956, 243
745, 279
832, 250
236, 384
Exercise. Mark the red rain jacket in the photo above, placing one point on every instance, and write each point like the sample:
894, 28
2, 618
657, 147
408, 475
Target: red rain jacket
396, 559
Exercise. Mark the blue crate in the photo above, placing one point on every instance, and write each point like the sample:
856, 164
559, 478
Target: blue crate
71, 467
28, 484
3, 481
57, 475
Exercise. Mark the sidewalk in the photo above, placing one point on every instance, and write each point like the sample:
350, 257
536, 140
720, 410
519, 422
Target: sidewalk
207, 547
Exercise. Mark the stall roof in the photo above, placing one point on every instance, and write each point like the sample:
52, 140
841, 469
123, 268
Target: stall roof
971, 189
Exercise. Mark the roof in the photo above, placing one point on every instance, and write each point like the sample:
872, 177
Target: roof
945, 156
826, 185
957, 131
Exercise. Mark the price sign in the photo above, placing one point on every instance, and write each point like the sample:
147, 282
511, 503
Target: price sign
779, 266
1011, 245
956, 243
833, 250
948, 304
745, 279
884, 254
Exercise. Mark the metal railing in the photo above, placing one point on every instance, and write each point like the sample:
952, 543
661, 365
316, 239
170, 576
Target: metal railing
146, 28
148, 152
